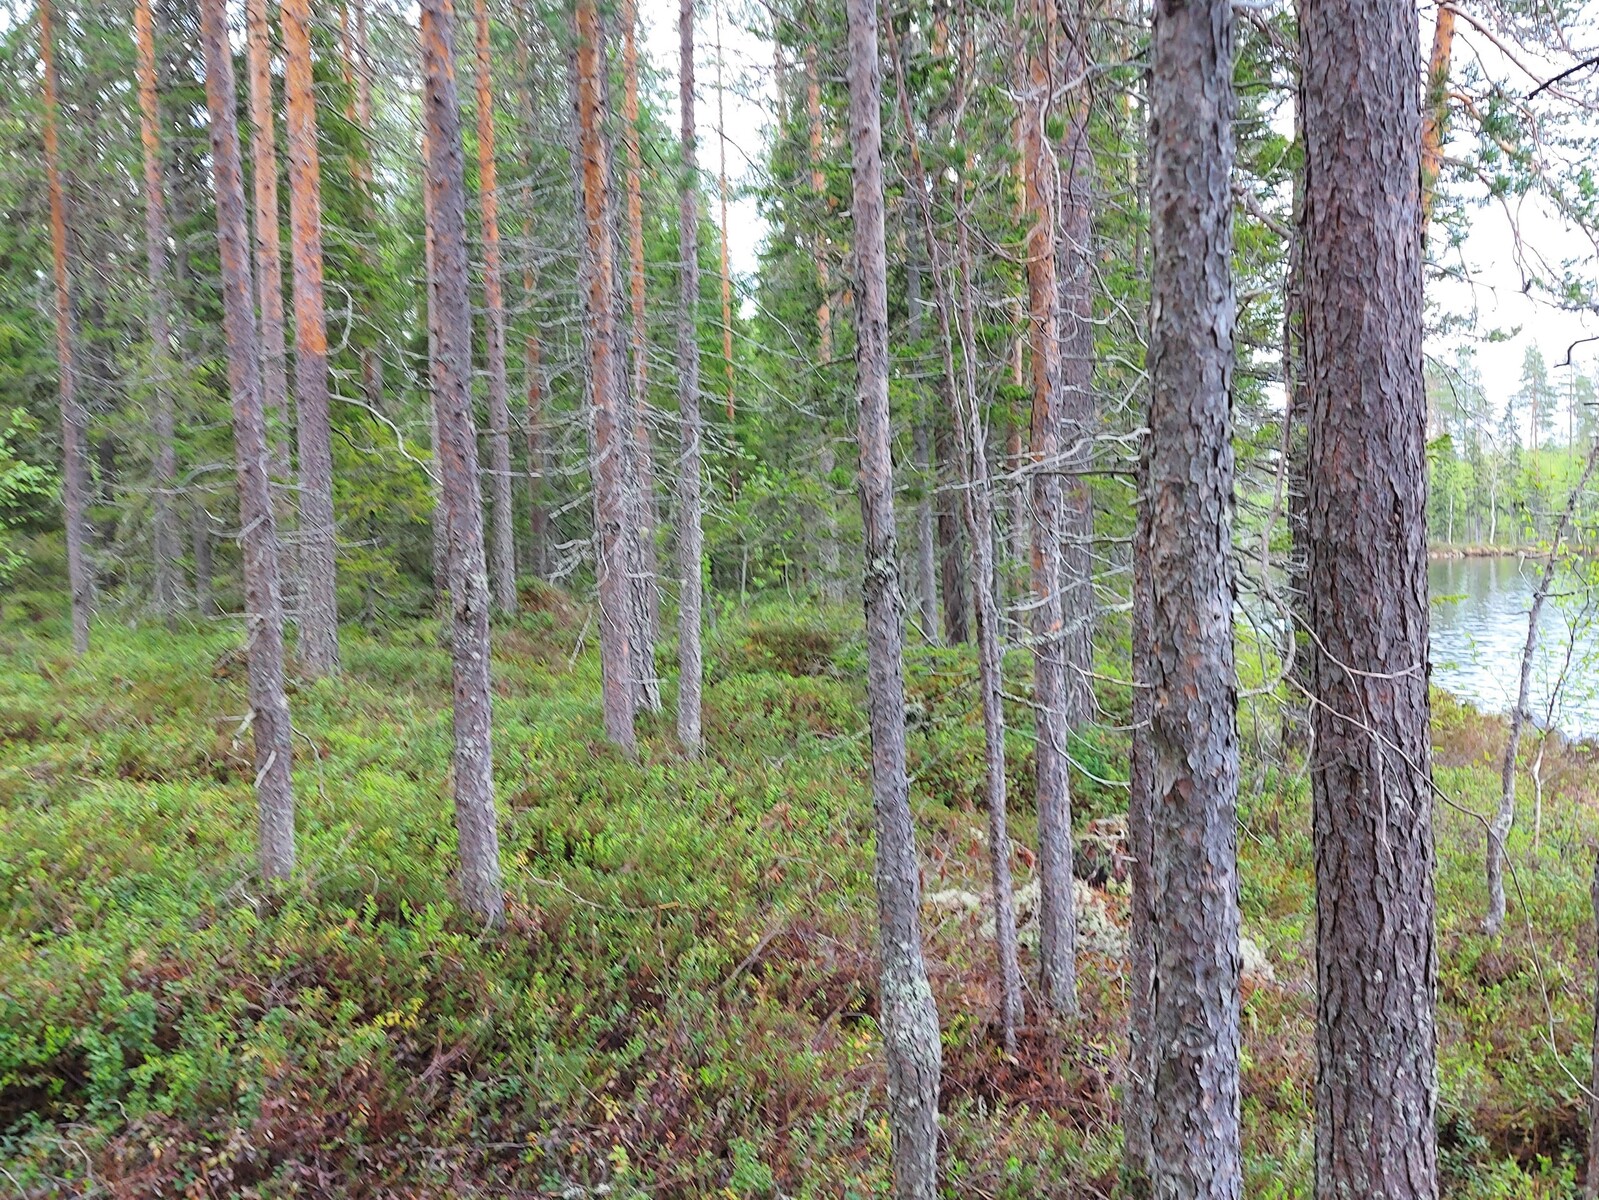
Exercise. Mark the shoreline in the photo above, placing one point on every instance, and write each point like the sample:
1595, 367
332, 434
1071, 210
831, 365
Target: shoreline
1446, 553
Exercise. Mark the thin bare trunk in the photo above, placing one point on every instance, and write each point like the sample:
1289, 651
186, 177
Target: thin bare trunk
952, 558
1057, 922
1590, 1183
690, 538
538, 456
832, 583
502, 543
905, 999
726, 274
1138, 1093
1505, 814
607, 432
1074, 263
649, 516
263, 605
977, 510
161, 364
319, 602
473, 763
74, 417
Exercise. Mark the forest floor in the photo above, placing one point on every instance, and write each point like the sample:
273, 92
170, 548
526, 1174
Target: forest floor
682, 1004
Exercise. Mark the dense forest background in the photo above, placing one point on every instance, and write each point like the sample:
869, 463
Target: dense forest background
389, 436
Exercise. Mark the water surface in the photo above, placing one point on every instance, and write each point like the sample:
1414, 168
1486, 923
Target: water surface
1479, 629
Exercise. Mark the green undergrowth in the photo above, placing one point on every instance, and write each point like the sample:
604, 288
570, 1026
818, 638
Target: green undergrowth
682, 1003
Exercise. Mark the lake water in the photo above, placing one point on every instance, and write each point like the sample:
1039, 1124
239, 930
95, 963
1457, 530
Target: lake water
1479, 628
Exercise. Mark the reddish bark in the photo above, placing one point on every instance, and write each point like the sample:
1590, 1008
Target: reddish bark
607, 430
319, 608
502, 544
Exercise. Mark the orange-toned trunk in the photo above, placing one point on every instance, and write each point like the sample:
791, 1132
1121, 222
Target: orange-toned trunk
813, 111
502, 546
1057, 930
74, 418
647, 514
319, 614
163, 529
608, 432
268, 245
1435, 113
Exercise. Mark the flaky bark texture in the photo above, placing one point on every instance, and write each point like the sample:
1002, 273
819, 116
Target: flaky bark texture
263, 604
74, 417
268, 244
828, 551
690, 537
164, 524
907, 1015
1138, 1091
1057, 926
502, 542
473, 762
1194, 1046
1074, 163
319, 602
1371, 769
608, 442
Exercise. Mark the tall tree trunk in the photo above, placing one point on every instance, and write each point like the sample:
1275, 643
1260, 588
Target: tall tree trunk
263, 606
1193, 686
690, 538
926, 546
1366, 484
161, 365
1057, 933
977, 510
607, 431
319, 602
502, 542
1138, 1093
200, 532
268, 246
74, 417
1435, 118
1590, 1183
952, 560
473, 763
726, 274
832, 582
1075, 170
1505, 814
909, 1019
538, 456
649, 515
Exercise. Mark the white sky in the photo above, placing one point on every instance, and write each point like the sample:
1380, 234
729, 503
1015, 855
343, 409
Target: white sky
748, 98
